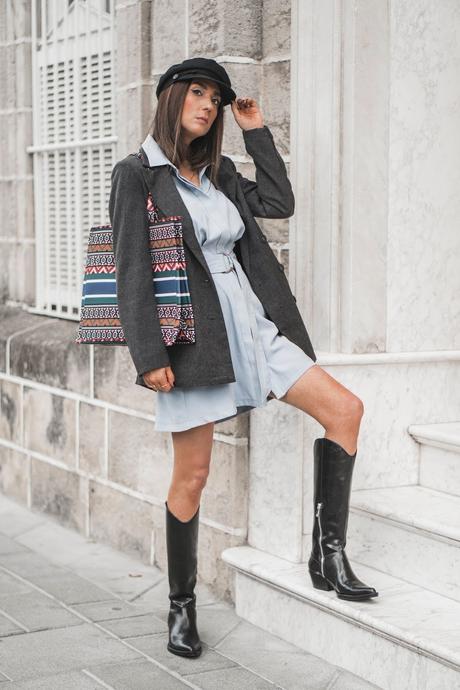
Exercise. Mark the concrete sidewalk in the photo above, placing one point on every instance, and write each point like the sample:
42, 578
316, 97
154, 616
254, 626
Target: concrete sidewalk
78, 615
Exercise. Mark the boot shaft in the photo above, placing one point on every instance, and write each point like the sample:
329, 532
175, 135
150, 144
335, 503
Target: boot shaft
182, 547
333, 471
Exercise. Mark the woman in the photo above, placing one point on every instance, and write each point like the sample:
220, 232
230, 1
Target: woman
251, 343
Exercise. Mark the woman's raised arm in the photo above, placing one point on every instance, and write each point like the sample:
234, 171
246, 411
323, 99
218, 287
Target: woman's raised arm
270, 195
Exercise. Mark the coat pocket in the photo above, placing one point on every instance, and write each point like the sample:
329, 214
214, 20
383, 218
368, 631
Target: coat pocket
170, 280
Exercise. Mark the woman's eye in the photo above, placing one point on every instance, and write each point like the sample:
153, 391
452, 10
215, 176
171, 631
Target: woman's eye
216, 100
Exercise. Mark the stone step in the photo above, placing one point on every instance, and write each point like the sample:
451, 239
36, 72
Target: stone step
407, 637
410, 532
439, 455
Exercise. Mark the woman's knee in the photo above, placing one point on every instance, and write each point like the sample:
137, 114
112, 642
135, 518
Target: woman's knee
344, 409
192, 481
351, 408
357, 407
197, 481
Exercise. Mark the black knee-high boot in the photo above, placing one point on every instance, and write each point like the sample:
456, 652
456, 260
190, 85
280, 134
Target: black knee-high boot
328, 564
181, 543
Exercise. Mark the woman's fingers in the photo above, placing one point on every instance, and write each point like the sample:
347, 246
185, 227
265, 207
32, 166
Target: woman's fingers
163, 384
161, 380
247, 113
245, 102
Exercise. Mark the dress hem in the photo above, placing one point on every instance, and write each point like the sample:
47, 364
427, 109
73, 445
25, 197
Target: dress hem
294, 380
179, 426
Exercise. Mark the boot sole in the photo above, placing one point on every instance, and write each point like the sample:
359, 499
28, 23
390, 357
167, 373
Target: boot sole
356, 597
181, 652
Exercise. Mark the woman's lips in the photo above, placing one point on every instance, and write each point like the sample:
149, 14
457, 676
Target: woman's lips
202, 119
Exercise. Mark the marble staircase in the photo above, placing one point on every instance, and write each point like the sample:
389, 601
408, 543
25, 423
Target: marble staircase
409, 530
404, 541
439, 466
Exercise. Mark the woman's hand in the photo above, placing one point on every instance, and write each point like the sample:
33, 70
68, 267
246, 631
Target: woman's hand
247, 113
159, 379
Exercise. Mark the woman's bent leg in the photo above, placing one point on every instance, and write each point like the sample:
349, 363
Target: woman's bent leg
339, 411
335, 407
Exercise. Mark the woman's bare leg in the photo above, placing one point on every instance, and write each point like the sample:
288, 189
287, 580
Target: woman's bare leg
335, 407
192, 457
339, 411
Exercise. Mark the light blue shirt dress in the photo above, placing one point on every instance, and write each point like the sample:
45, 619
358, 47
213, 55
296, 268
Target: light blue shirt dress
266, 363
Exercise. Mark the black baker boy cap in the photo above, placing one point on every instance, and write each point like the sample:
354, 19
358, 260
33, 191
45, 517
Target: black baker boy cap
192, 68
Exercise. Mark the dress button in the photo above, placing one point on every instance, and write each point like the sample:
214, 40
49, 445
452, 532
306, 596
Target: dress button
206, 280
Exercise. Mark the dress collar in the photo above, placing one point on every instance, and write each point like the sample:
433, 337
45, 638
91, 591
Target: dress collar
156, 156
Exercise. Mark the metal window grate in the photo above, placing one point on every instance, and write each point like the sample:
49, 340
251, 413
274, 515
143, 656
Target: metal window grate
73, 141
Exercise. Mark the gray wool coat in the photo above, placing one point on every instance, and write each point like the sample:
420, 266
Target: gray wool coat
207, 361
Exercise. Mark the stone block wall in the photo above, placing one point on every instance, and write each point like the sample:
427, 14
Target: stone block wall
77, 441
77, 437
17, 243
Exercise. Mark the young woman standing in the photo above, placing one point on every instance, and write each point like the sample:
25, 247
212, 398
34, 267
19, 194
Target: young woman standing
251, 343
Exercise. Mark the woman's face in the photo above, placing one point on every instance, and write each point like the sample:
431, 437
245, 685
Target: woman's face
202, 101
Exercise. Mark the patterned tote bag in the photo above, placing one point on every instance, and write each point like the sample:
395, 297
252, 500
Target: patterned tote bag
99, 315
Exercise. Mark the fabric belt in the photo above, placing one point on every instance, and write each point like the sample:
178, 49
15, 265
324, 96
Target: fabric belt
221, 262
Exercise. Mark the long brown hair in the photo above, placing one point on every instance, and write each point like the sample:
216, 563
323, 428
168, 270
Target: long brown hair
166, 130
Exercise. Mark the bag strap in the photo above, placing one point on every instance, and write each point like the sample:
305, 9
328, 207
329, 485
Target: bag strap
147, 182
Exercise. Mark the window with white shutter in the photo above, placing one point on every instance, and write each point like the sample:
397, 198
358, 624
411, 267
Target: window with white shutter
73, 141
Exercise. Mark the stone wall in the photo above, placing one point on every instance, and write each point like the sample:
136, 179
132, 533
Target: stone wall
17, 243
76, 435
423, 274
77, 441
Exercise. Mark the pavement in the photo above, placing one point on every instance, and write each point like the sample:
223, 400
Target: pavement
79, 615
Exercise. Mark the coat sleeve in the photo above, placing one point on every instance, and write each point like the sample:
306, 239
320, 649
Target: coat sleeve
271, 195
135, 292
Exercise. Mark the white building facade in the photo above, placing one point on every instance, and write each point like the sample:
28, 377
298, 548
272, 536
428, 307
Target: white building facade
363, 99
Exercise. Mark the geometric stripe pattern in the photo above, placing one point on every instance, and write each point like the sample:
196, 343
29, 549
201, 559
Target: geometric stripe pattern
99, 316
